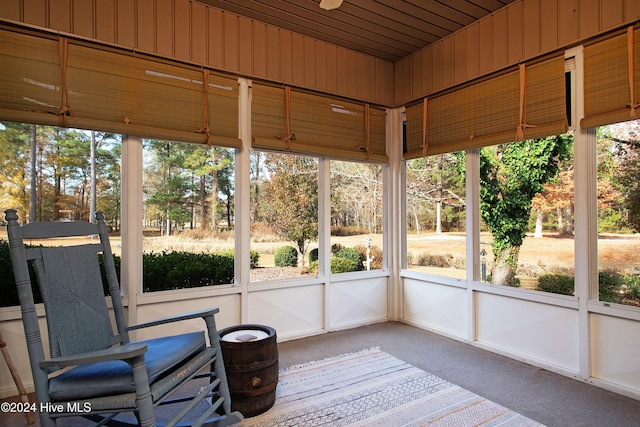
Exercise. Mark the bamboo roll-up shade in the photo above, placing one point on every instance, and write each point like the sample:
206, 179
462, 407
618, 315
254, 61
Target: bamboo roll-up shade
111, 90
316, 125
413, 131
489, 112
29, 76
611, 71
545, 101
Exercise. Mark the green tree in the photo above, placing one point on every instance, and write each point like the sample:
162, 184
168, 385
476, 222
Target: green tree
623, 168
510, 176
166, 186
435, 189
14, 177
290, 198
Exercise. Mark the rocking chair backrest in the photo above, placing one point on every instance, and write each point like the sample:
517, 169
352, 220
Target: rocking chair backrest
71, 287
70, 283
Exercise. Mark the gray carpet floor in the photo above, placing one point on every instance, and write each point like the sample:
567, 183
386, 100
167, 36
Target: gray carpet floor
543, 396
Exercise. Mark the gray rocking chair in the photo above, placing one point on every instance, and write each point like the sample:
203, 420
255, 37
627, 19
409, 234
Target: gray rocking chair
96, 372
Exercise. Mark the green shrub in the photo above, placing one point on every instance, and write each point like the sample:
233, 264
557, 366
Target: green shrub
254, 257
632, 286
8, 290
354, 255
286, 256
161, 271
177, 270
556, 283
610, 284
343, 265
313, 267
313, 255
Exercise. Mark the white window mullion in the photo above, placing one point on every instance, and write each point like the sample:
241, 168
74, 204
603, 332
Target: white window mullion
473, 247
242, 268
132, 214
586, 211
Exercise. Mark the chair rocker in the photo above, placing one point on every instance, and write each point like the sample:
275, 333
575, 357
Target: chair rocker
94, 371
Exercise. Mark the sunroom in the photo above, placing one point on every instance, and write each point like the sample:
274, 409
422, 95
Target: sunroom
249, 77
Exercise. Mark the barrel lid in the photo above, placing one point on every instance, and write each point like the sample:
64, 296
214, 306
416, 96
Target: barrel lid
245, 335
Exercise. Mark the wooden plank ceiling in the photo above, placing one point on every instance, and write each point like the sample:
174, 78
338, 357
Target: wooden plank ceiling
387, 29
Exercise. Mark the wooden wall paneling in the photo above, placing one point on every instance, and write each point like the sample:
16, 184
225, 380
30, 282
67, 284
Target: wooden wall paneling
230, 41
259, 48
531, 32
331, 68
363, 76
568, 24
83, 18
402, 87
448, 64
215, 45
286, 56
321, 64
378, 88
342, 69
351, 75
165, 30
472, 51
10, 9
631, 10
36, 12
60, 15
459, 57
298, 57
427, 71
105, 14
272, 52
198, 33
146, 25
611, 12
514, 32
499, 40
182, 30
309, 62
589, 17
417, 76
485, 46
387, 70
245, 45
438, 66
549, 25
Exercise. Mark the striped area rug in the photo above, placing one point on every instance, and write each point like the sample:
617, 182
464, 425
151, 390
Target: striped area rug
373, 388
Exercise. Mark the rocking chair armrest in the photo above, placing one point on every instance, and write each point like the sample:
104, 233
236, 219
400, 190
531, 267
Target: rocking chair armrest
124, 352
177, 318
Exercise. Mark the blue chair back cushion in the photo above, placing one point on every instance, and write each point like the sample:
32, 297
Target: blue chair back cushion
115, 377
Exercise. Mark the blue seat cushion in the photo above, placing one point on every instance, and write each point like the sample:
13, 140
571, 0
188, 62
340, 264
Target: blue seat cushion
115, 376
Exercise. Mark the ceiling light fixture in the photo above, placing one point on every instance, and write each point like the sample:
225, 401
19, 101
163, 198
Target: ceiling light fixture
330, 4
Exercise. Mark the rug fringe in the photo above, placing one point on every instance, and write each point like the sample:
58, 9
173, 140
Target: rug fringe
316, 363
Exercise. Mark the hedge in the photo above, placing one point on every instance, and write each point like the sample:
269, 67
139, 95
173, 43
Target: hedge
161, 271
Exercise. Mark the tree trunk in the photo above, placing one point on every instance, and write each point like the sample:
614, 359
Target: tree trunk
539, 218
505, 266
439, 217
34, 173
204, 211
92, 202
568, 220
560, 225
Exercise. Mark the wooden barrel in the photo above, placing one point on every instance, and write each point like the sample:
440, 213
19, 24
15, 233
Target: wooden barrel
250, 355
